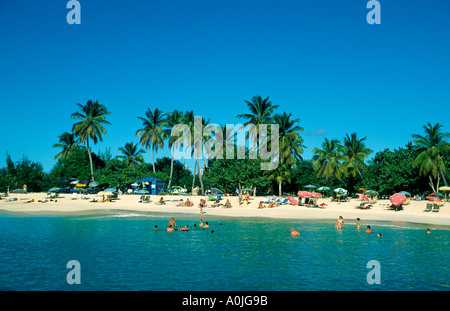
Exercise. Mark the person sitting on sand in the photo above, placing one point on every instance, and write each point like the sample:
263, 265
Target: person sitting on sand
187, 203
172, 223
161, 201
368, 230
294, 232
170, 229
260, 205
185, 228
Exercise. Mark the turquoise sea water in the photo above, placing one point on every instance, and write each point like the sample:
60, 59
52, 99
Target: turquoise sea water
118, 250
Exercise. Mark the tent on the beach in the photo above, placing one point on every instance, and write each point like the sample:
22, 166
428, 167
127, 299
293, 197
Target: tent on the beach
153, 184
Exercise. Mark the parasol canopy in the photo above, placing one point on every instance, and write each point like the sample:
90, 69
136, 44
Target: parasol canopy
293, 201
340, 190
304, 194
323, 188
316, 194
310, 186
444, 188
371, 192
397, 198
54, 189
362, 196
406, 193
436, 199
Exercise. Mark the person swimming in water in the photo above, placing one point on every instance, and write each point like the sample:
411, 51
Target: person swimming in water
368, 230
294, 232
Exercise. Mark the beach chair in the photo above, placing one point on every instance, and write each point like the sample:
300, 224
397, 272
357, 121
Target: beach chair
436, 207
429, 207
267, 200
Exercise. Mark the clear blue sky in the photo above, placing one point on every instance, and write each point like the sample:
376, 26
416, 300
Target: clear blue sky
319, 60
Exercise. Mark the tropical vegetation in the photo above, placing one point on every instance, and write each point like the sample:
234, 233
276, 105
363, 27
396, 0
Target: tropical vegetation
418, 167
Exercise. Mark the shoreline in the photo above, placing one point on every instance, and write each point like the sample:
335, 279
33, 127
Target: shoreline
413, 212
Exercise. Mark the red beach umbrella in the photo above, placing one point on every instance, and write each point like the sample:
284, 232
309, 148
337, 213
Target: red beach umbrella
397, 198
363, 196
433, 198
304, 194
293, 201
316, 194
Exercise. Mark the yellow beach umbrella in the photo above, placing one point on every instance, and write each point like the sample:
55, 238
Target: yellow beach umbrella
444, 188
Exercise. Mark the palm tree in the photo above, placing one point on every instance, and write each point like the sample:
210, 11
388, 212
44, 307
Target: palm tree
90, 127
260, 111
68, 143
131, 155
326, 161
430, 146
172, 118
290, 142
280, 174
354, 152
152, 134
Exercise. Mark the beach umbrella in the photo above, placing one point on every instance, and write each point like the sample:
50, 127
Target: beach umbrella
438, 194
340, 190
54, 189
110, 190
433, 199
406, 193
304, 194
323, 188
362, 196
444, 188
371, 192
310, 186
316, 194
142, 191
18, 190
93, 184
397, 198
293, 201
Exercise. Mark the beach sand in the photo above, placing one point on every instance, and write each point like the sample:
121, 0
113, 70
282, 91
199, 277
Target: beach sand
413, 212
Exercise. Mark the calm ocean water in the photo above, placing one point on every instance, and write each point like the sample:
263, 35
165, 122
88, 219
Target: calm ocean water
118, 250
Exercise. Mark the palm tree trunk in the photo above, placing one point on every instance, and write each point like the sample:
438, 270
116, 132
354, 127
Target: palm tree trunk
90, 159
171, 170
153, 155
193, 179
200, 176
443, 178
279, 188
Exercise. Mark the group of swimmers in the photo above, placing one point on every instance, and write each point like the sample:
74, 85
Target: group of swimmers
172, 226
340, 224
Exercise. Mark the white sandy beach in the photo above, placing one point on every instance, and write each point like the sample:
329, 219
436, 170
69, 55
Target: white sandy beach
413, 212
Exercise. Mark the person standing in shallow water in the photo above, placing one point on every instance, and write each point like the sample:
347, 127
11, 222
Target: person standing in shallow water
339, 223
358, 224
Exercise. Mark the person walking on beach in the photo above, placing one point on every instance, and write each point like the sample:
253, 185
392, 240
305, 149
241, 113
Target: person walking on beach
294, 232
24, 188
339, 223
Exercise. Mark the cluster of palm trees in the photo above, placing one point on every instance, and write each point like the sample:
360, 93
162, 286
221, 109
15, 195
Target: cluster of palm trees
333, 160
336, 160
157, 129
347, 160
